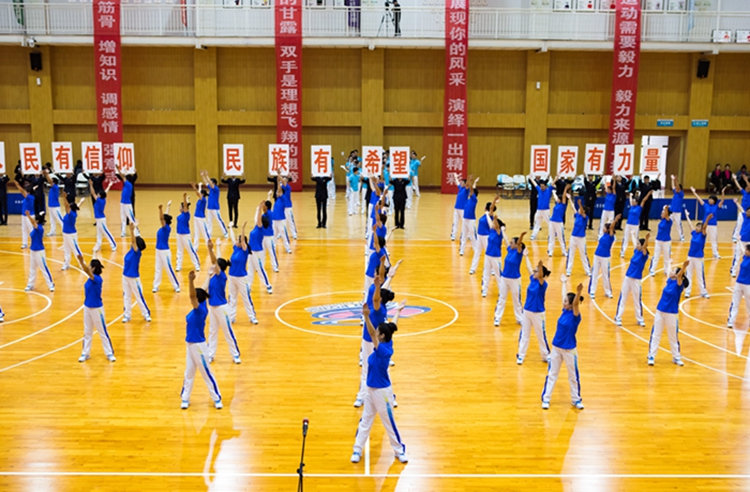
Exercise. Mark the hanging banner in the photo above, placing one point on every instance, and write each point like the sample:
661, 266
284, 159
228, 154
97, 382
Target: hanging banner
320, 155
91, 153
2, 158
125, 157
567, 161
593, 164
624, 74
234, 159
278, 160
107, 62
62, 157
399, 162
372, 161
31, 158
288, 20
624, 163
540, 160
455, 129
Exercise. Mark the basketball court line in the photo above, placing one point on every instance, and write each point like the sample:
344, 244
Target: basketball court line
682, 310
49, 304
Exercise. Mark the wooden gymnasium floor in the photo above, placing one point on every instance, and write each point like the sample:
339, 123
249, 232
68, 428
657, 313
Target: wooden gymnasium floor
470, 417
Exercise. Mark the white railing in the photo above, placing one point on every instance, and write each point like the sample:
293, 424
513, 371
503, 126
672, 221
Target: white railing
175, 20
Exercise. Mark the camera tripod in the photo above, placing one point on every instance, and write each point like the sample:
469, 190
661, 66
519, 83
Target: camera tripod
386, 19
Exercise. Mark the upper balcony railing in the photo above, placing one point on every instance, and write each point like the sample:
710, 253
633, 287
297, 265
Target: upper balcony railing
246, 21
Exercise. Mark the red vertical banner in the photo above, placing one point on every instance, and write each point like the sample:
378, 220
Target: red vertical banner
288, 15
455, 128
108, 81
624, 75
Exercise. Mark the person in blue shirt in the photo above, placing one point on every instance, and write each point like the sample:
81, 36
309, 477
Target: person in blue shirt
633, 224
213, 209
163, 260
100, 203
199, 218
608, 212
469, 220
70, 235
742, 285
2, 315
131, 278
564, 348
378, 396
279, 220
557, 223
353, 184
677, 205
183, 236
711, 207
218, 314
745, 190
53, 203
631, 284
291, 225
666, 314
93, 310
257, 253
37, 255
602, 257
197, 350
458, 208
27, 206
127, 216
269, 244
493, 254
544, 195
744, 238
578, 240
239, 287
484, 225
510, 283
534, 314
663, 243
696, 269
414, 165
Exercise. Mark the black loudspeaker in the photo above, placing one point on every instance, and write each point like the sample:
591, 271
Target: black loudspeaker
36, 61
703, 66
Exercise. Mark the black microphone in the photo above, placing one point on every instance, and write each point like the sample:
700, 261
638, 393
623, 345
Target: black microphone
305, 423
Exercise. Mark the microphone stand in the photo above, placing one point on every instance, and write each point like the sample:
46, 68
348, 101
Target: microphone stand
300, 470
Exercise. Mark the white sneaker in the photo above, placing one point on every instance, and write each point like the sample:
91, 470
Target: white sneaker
678, 361
154, 290
402, 458
471, 272
497, 322
395, 403
210, 360
484, 294
51, 288
185, 405
355, 457
567, 274
610, 296
578, 405
653, 274
729, 326
592, 296
618, 322
177, 290
276, 270
237, 360
65, 267
84, 358
269, 290
519, 360
391, 363
218, 405
178, 269
27, 288
650, 361
148, 319
545, 405
125, 320
254, 320
358, 403
687, 295
461, 253
641, 323
111, 357
705, 296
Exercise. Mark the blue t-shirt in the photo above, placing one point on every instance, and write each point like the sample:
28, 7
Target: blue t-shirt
183, 223
374, 198
483, 225
127, 193
353, 182
710, 209
495, 244
745, 231
37, 238
99, 205
634, 216
200, 208
213, 197
567, 326
132, 263
609, 202
377, 365
28, 204
414, 166
239, 262
697, 243
558, 213
461, 196
217, 290
377, 316
604, 248
745, 199
470, 208
268, 231
664, 232
637, 263
670, 297
195, 324
69, 223
543, 198
579, 225
54, 196
381, 231
744, 276
677, 200
162, 237
512, 267
278, 210
93, 292
373, 263
287, 195
256, 239
535, 296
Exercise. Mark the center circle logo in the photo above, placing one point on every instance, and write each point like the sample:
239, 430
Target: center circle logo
350, 313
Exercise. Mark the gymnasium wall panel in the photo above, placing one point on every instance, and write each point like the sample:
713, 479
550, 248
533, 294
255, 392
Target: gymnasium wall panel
494, 151
256, 140
731, 92
342, 141
664, 84
580, 82
77, 134
579, 138
158, 79
332, 80
73, 77
414, 81
246, 79
12, 135
163, 154
427, 142
496, 81
731, 148
14, 83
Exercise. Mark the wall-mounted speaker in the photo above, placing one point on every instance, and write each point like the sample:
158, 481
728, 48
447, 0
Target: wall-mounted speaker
703, 66
36, 61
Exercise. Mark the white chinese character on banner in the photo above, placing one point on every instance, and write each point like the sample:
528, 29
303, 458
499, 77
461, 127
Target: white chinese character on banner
457, 78
109, 98
626, 71
107, 46
456, 119
456, 149
626, 56
622, 96
108, 74
106, 7
288, 27
456, 105
288, 52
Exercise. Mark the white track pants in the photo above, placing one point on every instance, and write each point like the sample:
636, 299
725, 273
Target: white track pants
279, 231
101, 230
126, 214
415, 184
409, 193
630, 236
352, 201
468, 231
538, 322
362, 199
255, 265
215, 215
630, 286
26, 228
696, 273
132, 288
661, 321
184, 244
677, 221
219, 319
70, 248
366, 349
491, 265
38, 261
578, 244
458, 217
197, 360
712, 237
200, 230
481, 248
607, 217
539, 217
54, 218
269, 246
556, 231
378, 401
557, 357
290, 224
238, 288
601, 265
740, 291
331, 189
164, 262
665, 248
93, 318
738, 225
739, 252
509, 287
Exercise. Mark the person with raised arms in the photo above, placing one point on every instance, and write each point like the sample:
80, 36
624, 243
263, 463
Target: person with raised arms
544, 195
510, 283
199, 219
663, 244
745, 190
676, 207
632, 283
93, 310
493, 254
257, 255
53, 203
131, 278
26, 206
183, 236
213, 209
483, 232
163, 253
279, 220
70, 234
744, 239
458, 208
126, 203
239, 286
608, 211
534, 315
632, 226
666, 315
216, 286
469, 222
602, 257
37, 255
696, 268
291, 225
711, 208
578, 240
100, 203
557, 223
